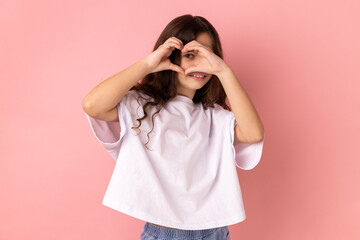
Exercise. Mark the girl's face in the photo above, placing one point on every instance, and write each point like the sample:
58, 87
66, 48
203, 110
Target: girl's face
186, 84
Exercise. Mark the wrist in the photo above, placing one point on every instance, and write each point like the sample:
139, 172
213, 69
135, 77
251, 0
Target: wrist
225, 71
145, 63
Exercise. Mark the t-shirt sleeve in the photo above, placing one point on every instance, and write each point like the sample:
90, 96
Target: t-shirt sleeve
246, 155
110, 134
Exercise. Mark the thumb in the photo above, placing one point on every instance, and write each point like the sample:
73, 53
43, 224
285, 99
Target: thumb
177, 68
189, 70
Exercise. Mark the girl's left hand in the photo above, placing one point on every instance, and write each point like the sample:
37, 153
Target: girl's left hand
209, 62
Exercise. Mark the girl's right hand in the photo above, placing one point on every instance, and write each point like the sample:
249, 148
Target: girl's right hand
159, 60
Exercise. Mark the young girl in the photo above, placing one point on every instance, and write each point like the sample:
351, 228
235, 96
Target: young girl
175, 141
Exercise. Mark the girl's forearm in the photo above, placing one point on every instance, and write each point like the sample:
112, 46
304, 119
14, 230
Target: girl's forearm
108, 93
247, 118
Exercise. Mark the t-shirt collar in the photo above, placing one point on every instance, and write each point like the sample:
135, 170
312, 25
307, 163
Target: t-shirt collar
183, 98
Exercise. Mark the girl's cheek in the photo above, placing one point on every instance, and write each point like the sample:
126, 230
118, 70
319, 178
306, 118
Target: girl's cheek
184, 66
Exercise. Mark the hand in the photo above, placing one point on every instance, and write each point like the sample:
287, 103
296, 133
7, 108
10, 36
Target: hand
159, 60
209, 61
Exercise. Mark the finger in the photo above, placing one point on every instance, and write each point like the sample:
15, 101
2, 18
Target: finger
170, 46
177, 68
174, 45
193, 42
179, 41
193, 69
175, 40
192, 47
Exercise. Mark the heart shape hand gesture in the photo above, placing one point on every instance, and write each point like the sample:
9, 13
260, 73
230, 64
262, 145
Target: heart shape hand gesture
208, 62
159, 60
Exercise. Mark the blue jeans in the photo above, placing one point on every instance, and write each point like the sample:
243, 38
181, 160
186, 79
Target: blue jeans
153, 232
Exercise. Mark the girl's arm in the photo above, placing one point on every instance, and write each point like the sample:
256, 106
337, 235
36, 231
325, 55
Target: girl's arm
101, 101
249, 127
106, 95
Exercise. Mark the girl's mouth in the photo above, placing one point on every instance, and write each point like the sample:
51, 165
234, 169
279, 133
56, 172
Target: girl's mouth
197, 75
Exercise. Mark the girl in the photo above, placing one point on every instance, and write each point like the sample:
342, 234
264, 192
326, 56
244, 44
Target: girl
175, 141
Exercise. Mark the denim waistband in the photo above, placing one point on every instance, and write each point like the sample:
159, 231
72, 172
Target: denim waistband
166, 233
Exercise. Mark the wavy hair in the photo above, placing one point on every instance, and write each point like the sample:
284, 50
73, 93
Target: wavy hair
161, 86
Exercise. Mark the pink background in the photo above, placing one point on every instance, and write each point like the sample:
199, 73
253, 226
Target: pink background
297, 60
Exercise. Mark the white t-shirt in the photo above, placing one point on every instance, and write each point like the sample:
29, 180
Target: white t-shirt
188, 179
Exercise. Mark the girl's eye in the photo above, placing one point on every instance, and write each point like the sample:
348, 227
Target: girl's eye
188, 55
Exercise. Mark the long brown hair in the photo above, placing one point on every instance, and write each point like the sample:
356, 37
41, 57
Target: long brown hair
161, 86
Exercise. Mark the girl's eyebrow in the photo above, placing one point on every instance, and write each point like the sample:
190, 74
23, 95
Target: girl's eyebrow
191, 51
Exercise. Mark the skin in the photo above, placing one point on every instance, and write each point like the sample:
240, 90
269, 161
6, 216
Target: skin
186, 85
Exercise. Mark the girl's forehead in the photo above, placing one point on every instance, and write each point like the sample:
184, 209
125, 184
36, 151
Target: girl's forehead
204, 39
